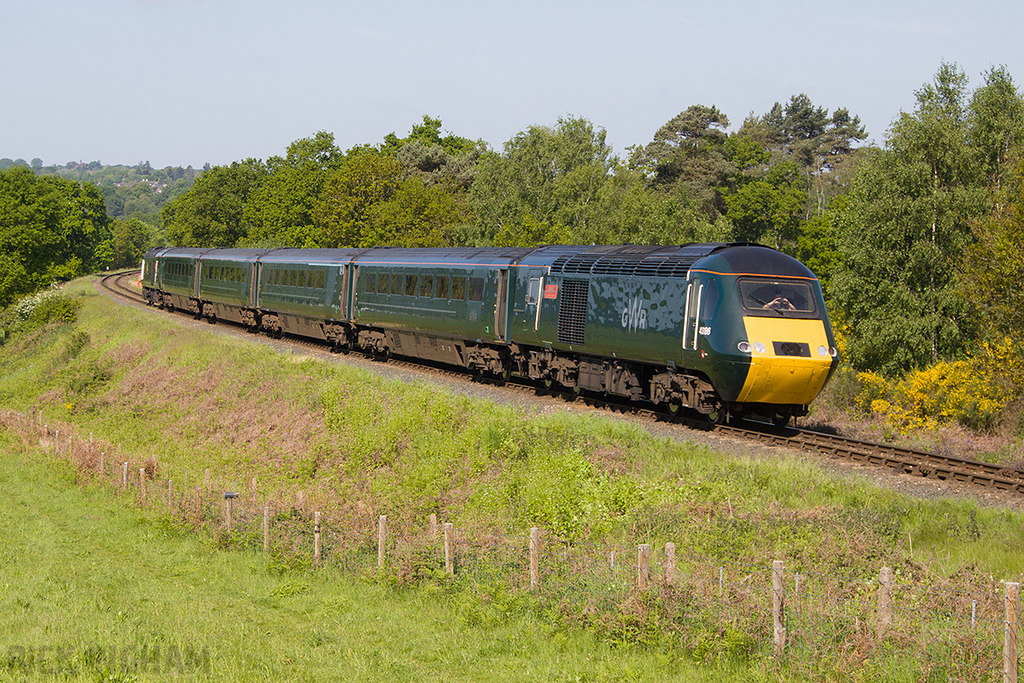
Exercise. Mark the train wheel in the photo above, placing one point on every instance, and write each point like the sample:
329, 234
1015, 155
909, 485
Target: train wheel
780, 420
719, 416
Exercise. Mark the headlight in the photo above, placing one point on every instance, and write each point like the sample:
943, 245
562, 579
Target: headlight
759, 347
744, 346
834, 352
822, 351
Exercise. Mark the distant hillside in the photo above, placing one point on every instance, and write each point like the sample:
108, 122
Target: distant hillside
139, 191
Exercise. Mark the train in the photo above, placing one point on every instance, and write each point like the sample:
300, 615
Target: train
723, 331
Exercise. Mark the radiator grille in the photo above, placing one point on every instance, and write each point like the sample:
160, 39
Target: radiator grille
572, 311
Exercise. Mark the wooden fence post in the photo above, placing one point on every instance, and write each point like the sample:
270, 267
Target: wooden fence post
316, 539
1010, 633
643, 566
670, 564
433, 525
449, 548
266, 528
382, 536
534, 558
884, 603
227, 509
124, 476
778, 607
142, 483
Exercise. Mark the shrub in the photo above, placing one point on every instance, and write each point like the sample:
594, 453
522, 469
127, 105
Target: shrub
39, 309
971, 392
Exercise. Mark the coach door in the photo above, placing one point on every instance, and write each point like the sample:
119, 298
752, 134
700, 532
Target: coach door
694, 297
501, 307
254, 283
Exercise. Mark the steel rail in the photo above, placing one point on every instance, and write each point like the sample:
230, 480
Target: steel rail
897, 458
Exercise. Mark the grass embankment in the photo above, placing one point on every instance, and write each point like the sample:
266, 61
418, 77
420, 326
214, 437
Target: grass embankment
328, 437
92, 590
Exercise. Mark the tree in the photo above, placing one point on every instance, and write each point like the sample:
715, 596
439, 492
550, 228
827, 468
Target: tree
434, 165
544, 175
768, 210
345, 211
995, 262
51, 229
820, 144
905, 230
428, 133
691, 151
415, 215
281, 211
996, 119
130, 240
212, 212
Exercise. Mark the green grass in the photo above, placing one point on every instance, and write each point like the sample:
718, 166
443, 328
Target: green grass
94, 590
356, 446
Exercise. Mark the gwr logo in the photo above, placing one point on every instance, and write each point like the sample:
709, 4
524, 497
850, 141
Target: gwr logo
634, 315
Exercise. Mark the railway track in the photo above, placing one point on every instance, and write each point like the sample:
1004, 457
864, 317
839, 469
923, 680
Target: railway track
897, 459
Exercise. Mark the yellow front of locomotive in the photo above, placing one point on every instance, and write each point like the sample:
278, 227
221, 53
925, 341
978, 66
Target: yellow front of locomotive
789, 341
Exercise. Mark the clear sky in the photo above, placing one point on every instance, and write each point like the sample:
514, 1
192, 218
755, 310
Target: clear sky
180, 82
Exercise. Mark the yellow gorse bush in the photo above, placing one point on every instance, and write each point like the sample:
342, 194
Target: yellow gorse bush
971, 392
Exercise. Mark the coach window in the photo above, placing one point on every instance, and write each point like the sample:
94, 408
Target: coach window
321, 279
396, 283
410, 285
476, 289
426, 285
534, 294
458, 288
441, 289
291, 278
370, 283
302, 279
711, 296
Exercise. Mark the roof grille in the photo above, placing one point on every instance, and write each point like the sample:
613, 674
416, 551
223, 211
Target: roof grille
635, 262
